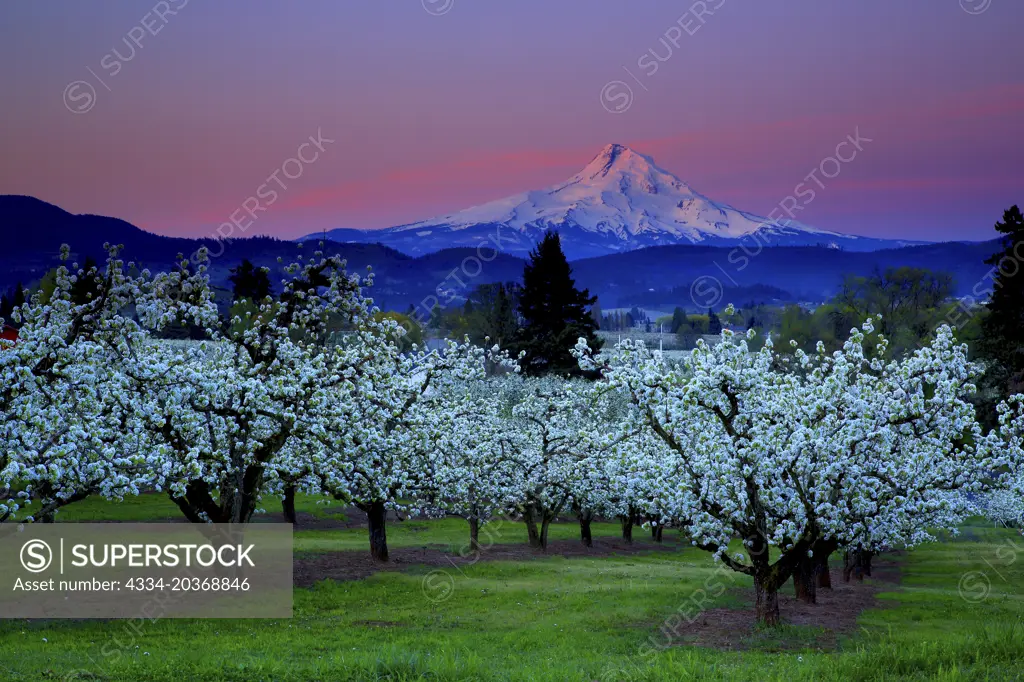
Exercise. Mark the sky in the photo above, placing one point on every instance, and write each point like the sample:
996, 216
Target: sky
368, 114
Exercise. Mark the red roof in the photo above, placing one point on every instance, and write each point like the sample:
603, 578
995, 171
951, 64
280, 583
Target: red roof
8, 333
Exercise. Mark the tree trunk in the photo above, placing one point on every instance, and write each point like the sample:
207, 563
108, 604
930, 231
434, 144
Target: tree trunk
376, 515
531, 526
544, 526
288, 504
474, 533
766, 606
656, 532
866, 562
627, 528
767, 580
853, 565
233, 504
823, 574
804, 580
585, 537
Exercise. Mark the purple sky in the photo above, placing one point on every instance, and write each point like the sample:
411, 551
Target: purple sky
438, 105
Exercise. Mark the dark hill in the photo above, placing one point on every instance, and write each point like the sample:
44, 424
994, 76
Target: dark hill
33, 230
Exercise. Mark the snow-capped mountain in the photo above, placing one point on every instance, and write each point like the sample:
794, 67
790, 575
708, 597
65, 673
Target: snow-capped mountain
620, 201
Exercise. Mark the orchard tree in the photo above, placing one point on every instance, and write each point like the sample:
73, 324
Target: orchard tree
906, 434
227, 410
555, 430
473, 474
614, 464
618, 474
70, 426
372, 440
840, 448
1005, 503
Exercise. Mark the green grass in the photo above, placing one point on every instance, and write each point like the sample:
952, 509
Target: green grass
554, 619
157, 507
450, 534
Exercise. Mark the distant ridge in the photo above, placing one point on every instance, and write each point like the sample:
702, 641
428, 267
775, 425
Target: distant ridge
33, 230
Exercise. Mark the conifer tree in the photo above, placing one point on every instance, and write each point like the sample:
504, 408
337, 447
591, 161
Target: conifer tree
1002, 340
714, 324
20, 296
250, 282
555, 313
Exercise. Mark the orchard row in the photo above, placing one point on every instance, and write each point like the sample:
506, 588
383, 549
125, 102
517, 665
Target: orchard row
771, 461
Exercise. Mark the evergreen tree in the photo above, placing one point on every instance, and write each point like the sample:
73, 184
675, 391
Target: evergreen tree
1002, 341
555, 313
250, 282
714, 324
493, 315
436, 317
678, 320
20, 296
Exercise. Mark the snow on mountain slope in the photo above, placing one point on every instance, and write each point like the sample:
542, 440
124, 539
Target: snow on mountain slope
620, 201
622, 193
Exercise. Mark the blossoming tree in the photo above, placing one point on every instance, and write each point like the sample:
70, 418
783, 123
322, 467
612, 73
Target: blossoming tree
70, 426
227, 410
796, 459
373, 440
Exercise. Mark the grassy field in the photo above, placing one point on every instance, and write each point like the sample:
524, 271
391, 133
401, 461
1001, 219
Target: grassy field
955, 615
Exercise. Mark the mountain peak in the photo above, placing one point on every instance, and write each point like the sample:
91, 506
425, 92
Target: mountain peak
612, 150
616, 157
621, 200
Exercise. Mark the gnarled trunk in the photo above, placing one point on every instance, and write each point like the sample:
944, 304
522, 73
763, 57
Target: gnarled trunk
656, 531
235, 502
769, 577
854, 562
627, 527
288, 504
824, 576
376, 515
585, 535
544, 526
532, 533
474, 533
804, 580
822, 550
766, 604
811, 572
534, 514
